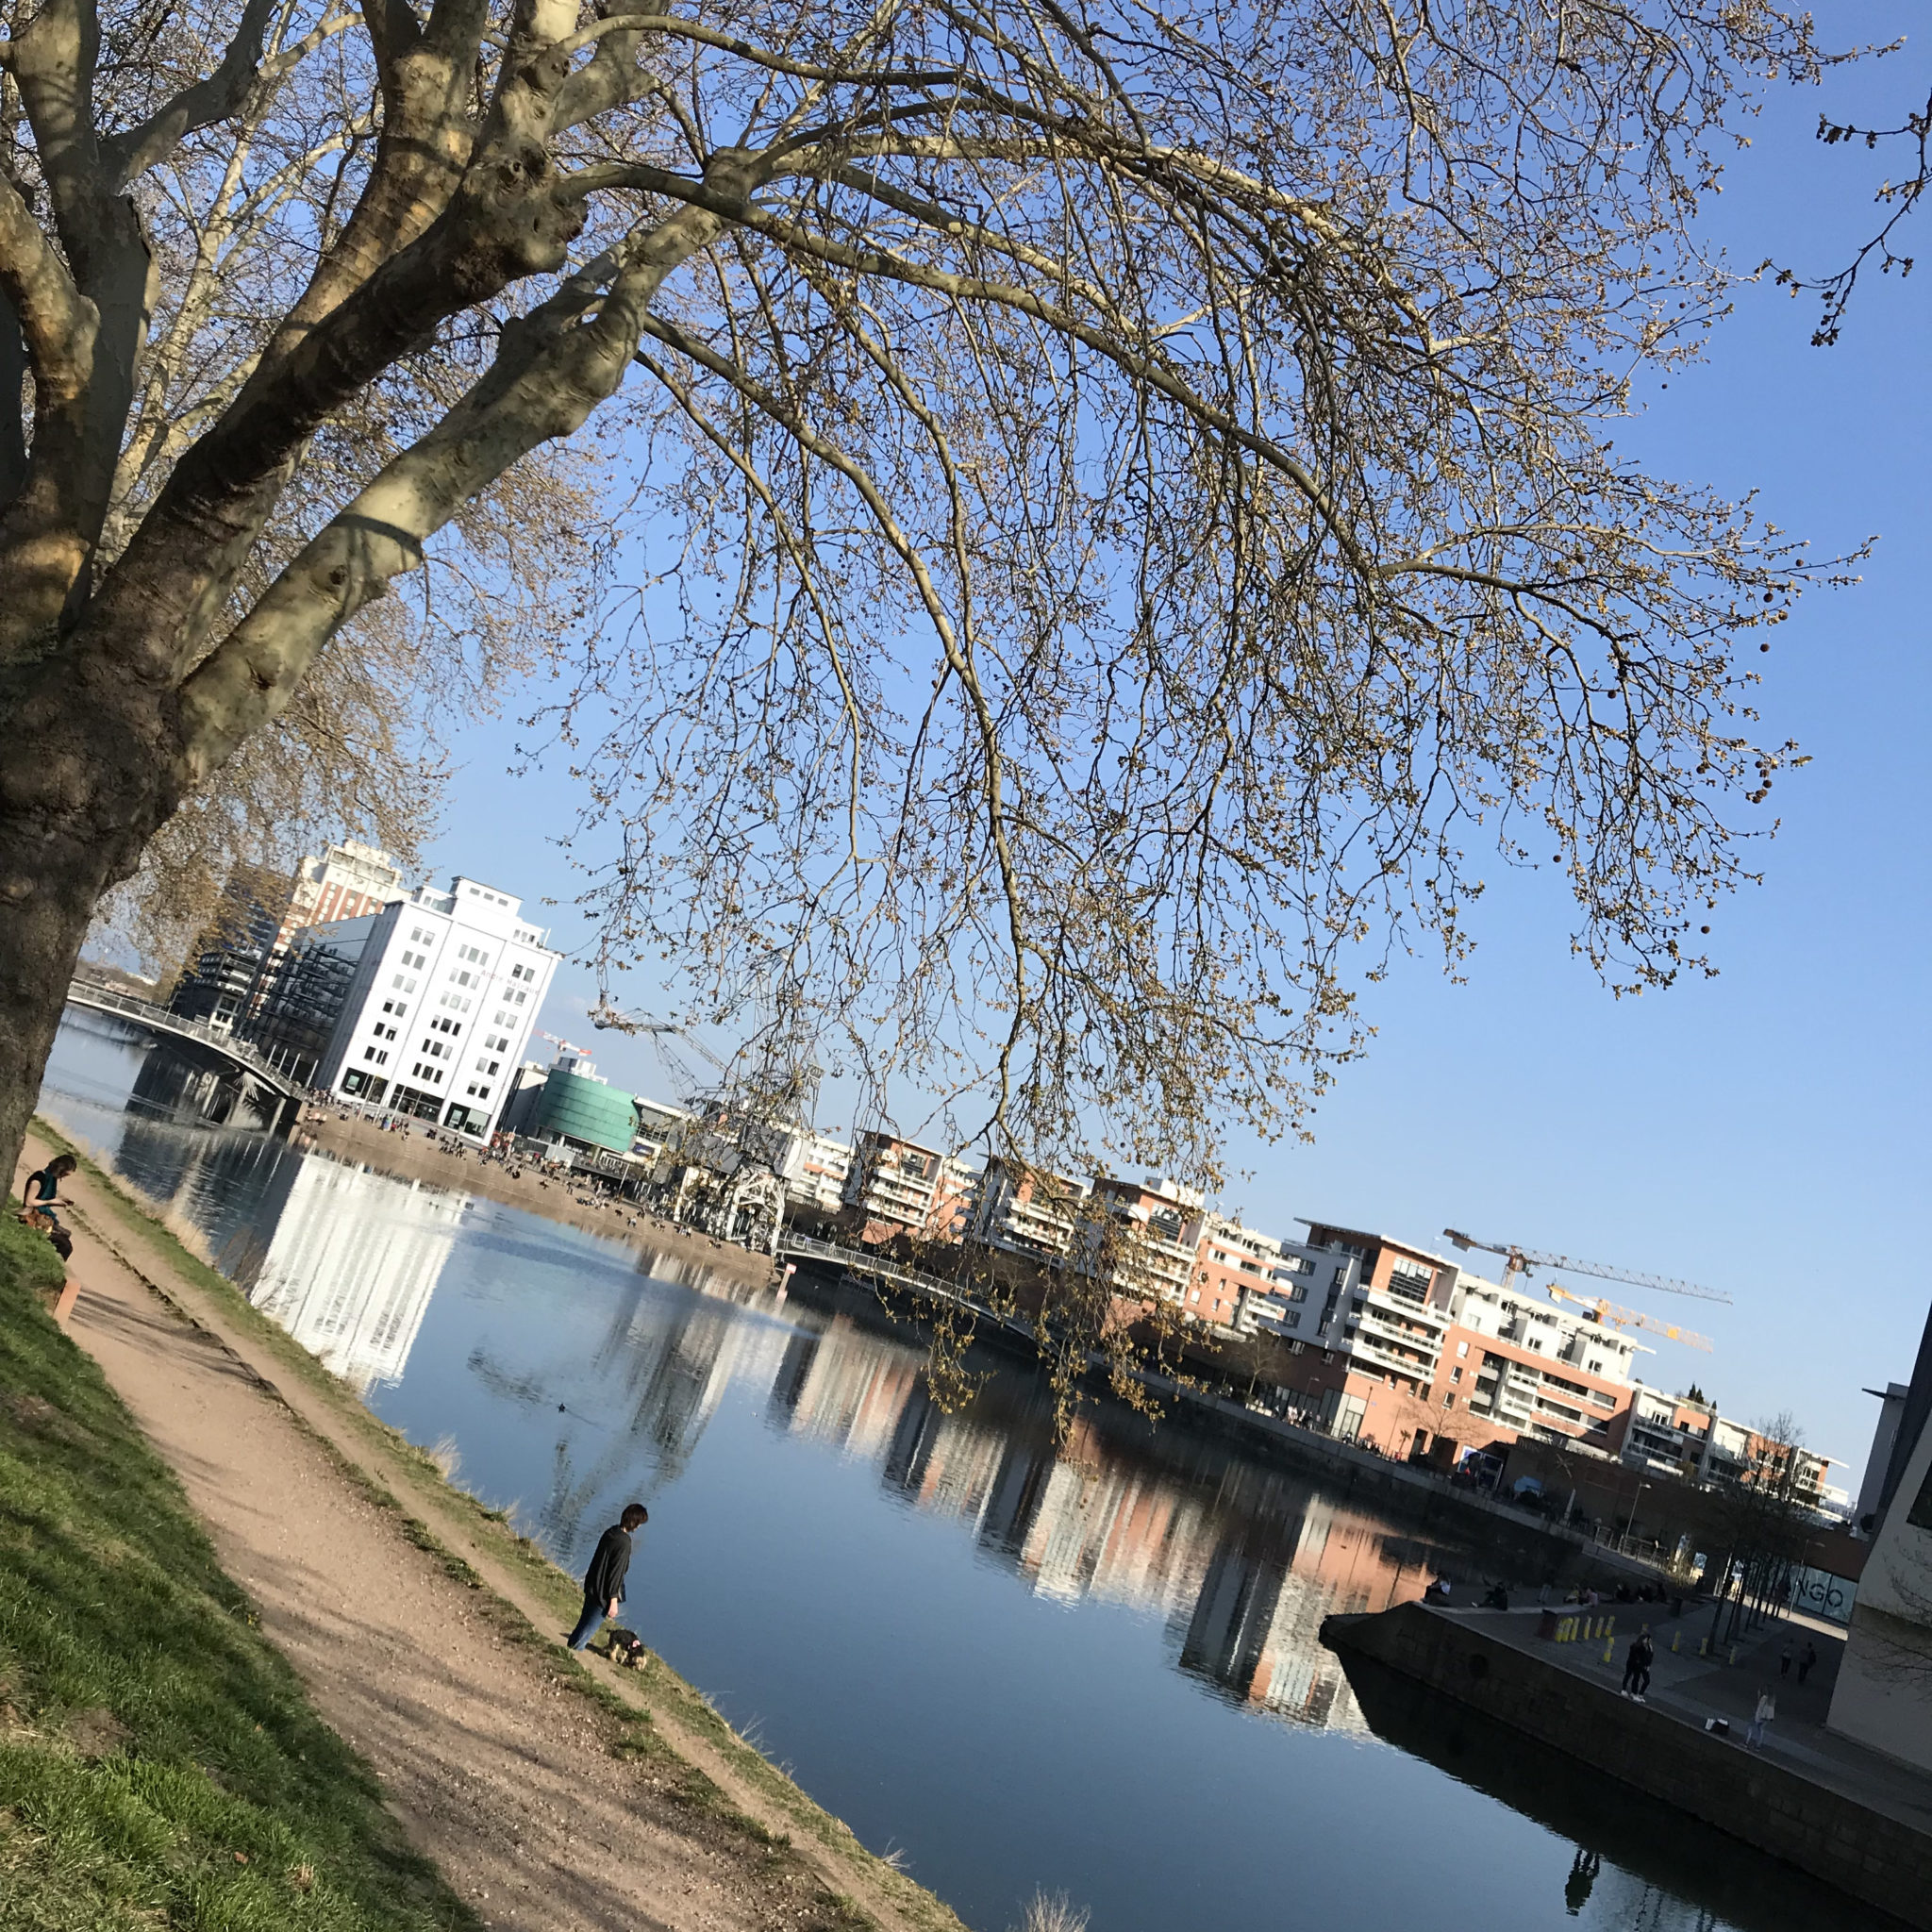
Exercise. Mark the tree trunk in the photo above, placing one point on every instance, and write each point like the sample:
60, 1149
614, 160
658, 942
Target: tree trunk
86, 759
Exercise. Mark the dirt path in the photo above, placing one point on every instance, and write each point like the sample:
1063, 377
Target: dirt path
502, 1769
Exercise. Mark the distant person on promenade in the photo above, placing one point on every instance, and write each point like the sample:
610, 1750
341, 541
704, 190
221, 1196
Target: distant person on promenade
1806, 1660
604, 1579
1766, 1711
43, 1190
1637, 1663
1784, 1660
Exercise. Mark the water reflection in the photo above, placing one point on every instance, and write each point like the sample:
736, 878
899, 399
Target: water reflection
1093, 1665
351, 1265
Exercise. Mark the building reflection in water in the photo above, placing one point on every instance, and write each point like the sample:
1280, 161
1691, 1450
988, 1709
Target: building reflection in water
351, 1265
1241, 1563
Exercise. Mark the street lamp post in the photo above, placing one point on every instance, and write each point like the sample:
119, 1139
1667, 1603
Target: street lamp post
1631, 1525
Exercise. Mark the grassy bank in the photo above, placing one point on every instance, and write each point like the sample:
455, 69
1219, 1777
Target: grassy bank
159, 1763
436, 1514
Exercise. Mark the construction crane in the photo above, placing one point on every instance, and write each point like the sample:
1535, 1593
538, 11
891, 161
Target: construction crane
1517, 1260
660, 1033
568, 1045
1601, 1311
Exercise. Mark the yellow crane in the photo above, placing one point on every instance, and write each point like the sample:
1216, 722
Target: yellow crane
1601, 1311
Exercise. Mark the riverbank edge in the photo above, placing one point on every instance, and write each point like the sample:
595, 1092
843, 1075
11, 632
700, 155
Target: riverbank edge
1862, 1852
526, 1591
182, 1772
416, 1157
1423, 1497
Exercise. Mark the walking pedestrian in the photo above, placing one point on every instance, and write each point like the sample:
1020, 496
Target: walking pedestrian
1784, 1660
1806, 1659
604, 1579
1636, 1662
1764, 1714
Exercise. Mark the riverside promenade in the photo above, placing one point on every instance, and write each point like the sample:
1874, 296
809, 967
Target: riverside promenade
1859, 1821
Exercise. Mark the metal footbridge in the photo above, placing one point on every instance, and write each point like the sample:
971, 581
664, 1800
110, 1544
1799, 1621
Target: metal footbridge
240, 1054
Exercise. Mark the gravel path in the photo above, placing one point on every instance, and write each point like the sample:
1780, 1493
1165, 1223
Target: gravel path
501, 1773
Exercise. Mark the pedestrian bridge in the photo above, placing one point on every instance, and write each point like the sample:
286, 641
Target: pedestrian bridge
238, 1053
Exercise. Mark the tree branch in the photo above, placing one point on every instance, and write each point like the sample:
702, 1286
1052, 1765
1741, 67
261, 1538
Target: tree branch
128, 156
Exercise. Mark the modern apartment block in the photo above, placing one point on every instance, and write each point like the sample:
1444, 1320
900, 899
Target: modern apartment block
1236, 1270
222, 979
425, 1006
1675, 1435
346, 881
260, 912
1023, 1211
1143, 1238
1437, 1354
894, 1188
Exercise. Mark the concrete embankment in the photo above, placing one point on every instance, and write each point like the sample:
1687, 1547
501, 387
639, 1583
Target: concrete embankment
1859, 1823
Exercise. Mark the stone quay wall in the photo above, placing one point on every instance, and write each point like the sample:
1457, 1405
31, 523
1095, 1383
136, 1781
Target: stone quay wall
1826, 1832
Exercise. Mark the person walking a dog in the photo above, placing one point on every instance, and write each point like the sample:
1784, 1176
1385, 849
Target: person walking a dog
604, 1579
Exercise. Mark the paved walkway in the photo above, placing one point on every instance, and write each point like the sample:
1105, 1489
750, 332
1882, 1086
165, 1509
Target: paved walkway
1695, 1688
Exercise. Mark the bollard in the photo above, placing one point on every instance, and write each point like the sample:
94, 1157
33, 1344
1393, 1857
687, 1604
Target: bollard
1674, 1635
1610, 1648
1734, 1653
1704, 1646
1609, 1626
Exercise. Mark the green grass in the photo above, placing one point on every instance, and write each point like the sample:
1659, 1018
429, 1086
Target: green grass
637, 1737
159, 1765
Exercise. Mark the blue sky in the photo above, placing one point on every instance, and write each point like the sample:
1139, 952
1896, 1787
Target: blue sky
1765, 1132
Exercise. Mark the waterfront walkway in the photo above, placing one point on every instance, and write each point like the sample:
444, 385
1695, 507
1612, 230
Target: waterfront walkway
1693, 1688
428, 1634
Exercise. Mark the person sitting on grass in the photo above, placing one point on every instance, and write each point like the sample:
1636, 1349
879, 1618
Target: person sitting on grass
43, 1188
604, 1579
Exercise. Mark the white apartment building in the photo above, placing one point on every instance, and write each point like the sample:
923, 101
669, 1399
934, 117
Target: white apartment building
442, 995
897, 1187
1023, 1211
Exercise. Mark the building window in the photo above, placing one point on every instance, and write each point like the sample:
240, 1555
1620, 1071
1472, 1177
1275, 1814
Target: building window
1455, 1375
1462, 1348
405, 985
1448, 1402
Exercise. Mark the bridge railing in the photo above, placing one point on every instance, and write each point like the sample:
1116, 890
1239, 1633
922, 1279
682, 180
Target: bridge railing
92, 992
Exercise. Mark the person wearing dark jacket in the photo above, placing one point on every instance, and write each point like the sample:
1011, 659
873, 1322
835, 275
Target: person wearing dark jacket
604, 1579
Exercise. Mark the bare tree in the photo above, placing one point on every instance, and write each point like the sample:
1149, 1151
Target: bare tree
1895, 198
1124, 496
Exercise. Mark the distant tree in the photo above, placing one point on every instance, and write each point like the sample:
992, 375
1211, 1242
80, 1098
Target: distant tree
1122, 497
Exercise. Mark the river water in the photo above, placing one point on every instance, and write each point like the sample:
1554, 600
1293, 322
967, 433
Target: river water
1095, 1670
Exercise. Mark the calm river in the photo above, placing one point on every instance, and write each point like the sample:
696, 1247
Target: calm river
1096, 1671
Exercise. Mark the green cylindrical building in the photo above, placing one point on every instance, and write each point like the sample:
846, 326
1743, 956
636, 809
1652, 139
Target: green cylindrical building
586, 1109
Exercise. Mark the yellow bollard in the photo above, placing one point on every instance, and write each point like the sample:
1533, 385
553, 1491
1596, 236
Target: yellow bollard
1610, 1648
1704, 1646
1609, 1626
1674, 1635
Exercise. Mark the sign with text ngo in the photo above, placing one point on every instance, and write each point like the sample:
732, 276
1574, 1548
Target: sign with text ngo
1818, 1594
